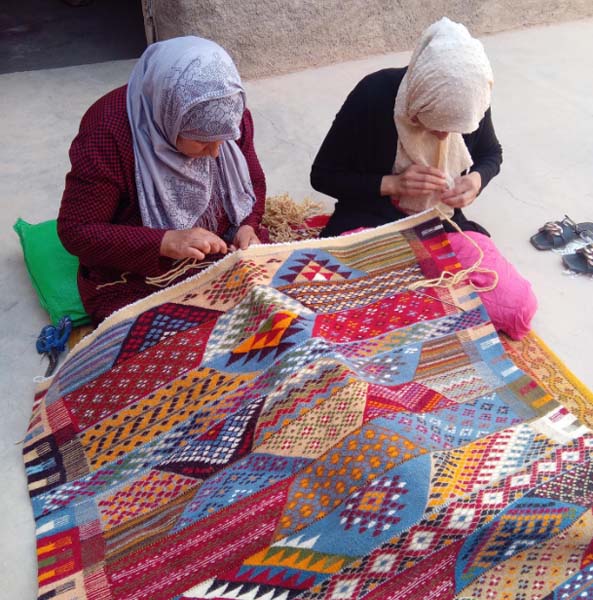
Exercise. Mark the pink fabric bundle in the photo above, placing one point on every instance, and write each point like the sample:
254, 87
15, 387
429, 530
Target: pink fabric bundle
512, 303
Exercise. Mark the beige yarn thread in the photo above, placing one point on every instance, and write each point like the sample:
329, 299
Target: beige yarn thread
187, 264
448, 279
121, 280
164, 280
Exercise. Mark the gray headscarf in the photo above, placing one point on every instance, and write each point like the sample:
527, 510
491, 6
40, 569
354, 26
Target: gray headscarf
188, 86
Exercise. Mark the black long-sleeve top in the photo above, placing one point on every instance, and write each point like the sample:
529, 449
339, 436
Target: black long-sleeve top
360, 148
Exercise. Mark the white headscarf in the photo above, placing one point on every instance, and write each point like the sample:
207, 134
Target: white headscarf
447, 88
187, 86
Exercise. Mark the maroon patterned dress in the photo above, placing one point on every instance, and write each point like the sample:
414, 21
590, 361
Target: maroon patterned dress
99, 219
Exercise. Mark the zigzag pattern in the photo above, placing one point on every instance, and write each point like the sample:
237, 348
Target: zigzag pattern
462, 382
294, 422
159, 413
335, 296
298, 394
322, 427
242, 591
483, 461
412, 397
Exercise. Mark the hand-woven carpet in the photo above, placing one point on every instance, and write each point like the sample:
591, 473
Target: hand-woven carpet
295, 422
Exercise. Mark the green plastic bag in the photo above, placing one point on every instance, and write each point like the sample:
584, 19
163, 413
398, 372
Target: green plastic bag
52, 270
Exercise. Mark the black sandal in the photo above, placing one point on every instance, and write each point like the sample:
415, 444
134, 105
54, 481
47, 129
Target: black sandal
581, 261
556, 234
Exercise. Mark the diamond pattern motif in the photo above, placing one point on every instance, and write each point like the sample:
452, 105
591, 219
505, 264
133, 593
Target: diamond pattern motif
294, 422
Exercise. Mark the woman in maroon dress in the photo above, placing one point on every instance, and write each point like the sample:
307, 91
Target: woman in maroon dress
163, 169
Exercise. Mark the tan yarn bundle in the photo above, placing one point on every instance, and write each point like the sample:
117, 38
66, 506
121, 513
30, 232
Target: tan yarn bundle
286, 219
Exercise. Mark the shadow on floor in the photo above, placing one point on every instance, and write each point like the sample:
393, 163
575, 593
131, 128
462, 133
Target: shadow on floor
45, 34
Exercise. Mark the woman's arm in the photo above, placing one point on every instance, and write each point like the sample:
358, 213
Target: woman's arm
334, 171
256, 173
94, 193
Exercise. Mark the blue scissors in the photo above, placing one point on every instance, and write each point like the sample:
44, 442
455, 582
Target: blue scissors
52, 341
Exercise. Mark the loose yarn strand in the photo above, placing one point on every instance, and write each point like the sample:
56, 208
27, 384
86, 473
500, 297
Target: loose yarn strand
122, 279
187, 264
164, 280
448, 279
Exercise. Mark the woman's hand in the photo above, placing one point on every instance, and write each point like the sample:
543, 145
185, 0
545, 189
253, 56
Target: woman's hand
191, 243
244, 237
415, 181
464, 192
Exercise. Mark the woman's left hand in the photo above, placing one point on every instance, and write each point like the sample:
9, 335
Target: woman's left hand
244, 237
464, 192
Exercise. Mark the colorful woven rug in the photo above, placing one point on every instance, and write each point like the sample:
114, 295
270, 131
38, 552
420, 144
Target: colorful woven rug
296, 423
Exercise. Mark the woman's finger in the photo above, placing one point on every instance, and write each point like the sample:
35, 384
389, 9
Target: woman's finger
423, 178
217, 244
426, 170
195, 253
458, 201
203, 245
451, 200
219, 247
450, 194
423, 186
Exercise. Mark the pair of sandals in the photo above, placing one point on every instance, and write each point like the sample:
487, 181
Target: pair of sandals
557, 234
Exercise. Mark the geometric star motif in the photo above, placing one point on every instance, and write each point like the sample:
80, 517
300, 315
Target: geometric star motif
312, 266
269, 338
344, 589
374, 507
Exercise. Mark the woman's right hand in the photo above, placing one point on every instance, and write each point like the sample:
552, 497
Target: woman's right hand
416, 180
191, 243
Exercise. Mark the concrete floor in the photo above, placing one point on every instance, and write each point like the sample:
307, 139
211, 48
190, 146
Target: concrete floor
543, 113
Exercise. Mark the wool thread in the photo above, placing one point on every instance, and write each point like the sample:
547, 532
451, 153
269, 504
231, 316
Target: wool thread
448, 279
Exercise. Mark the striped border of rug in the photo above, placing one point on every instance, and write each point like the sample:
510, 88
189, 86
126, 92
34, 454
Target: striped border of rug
533, 355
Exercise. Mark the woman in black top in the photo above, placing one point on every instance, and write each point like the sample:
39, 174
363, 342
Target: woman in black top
357, 164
